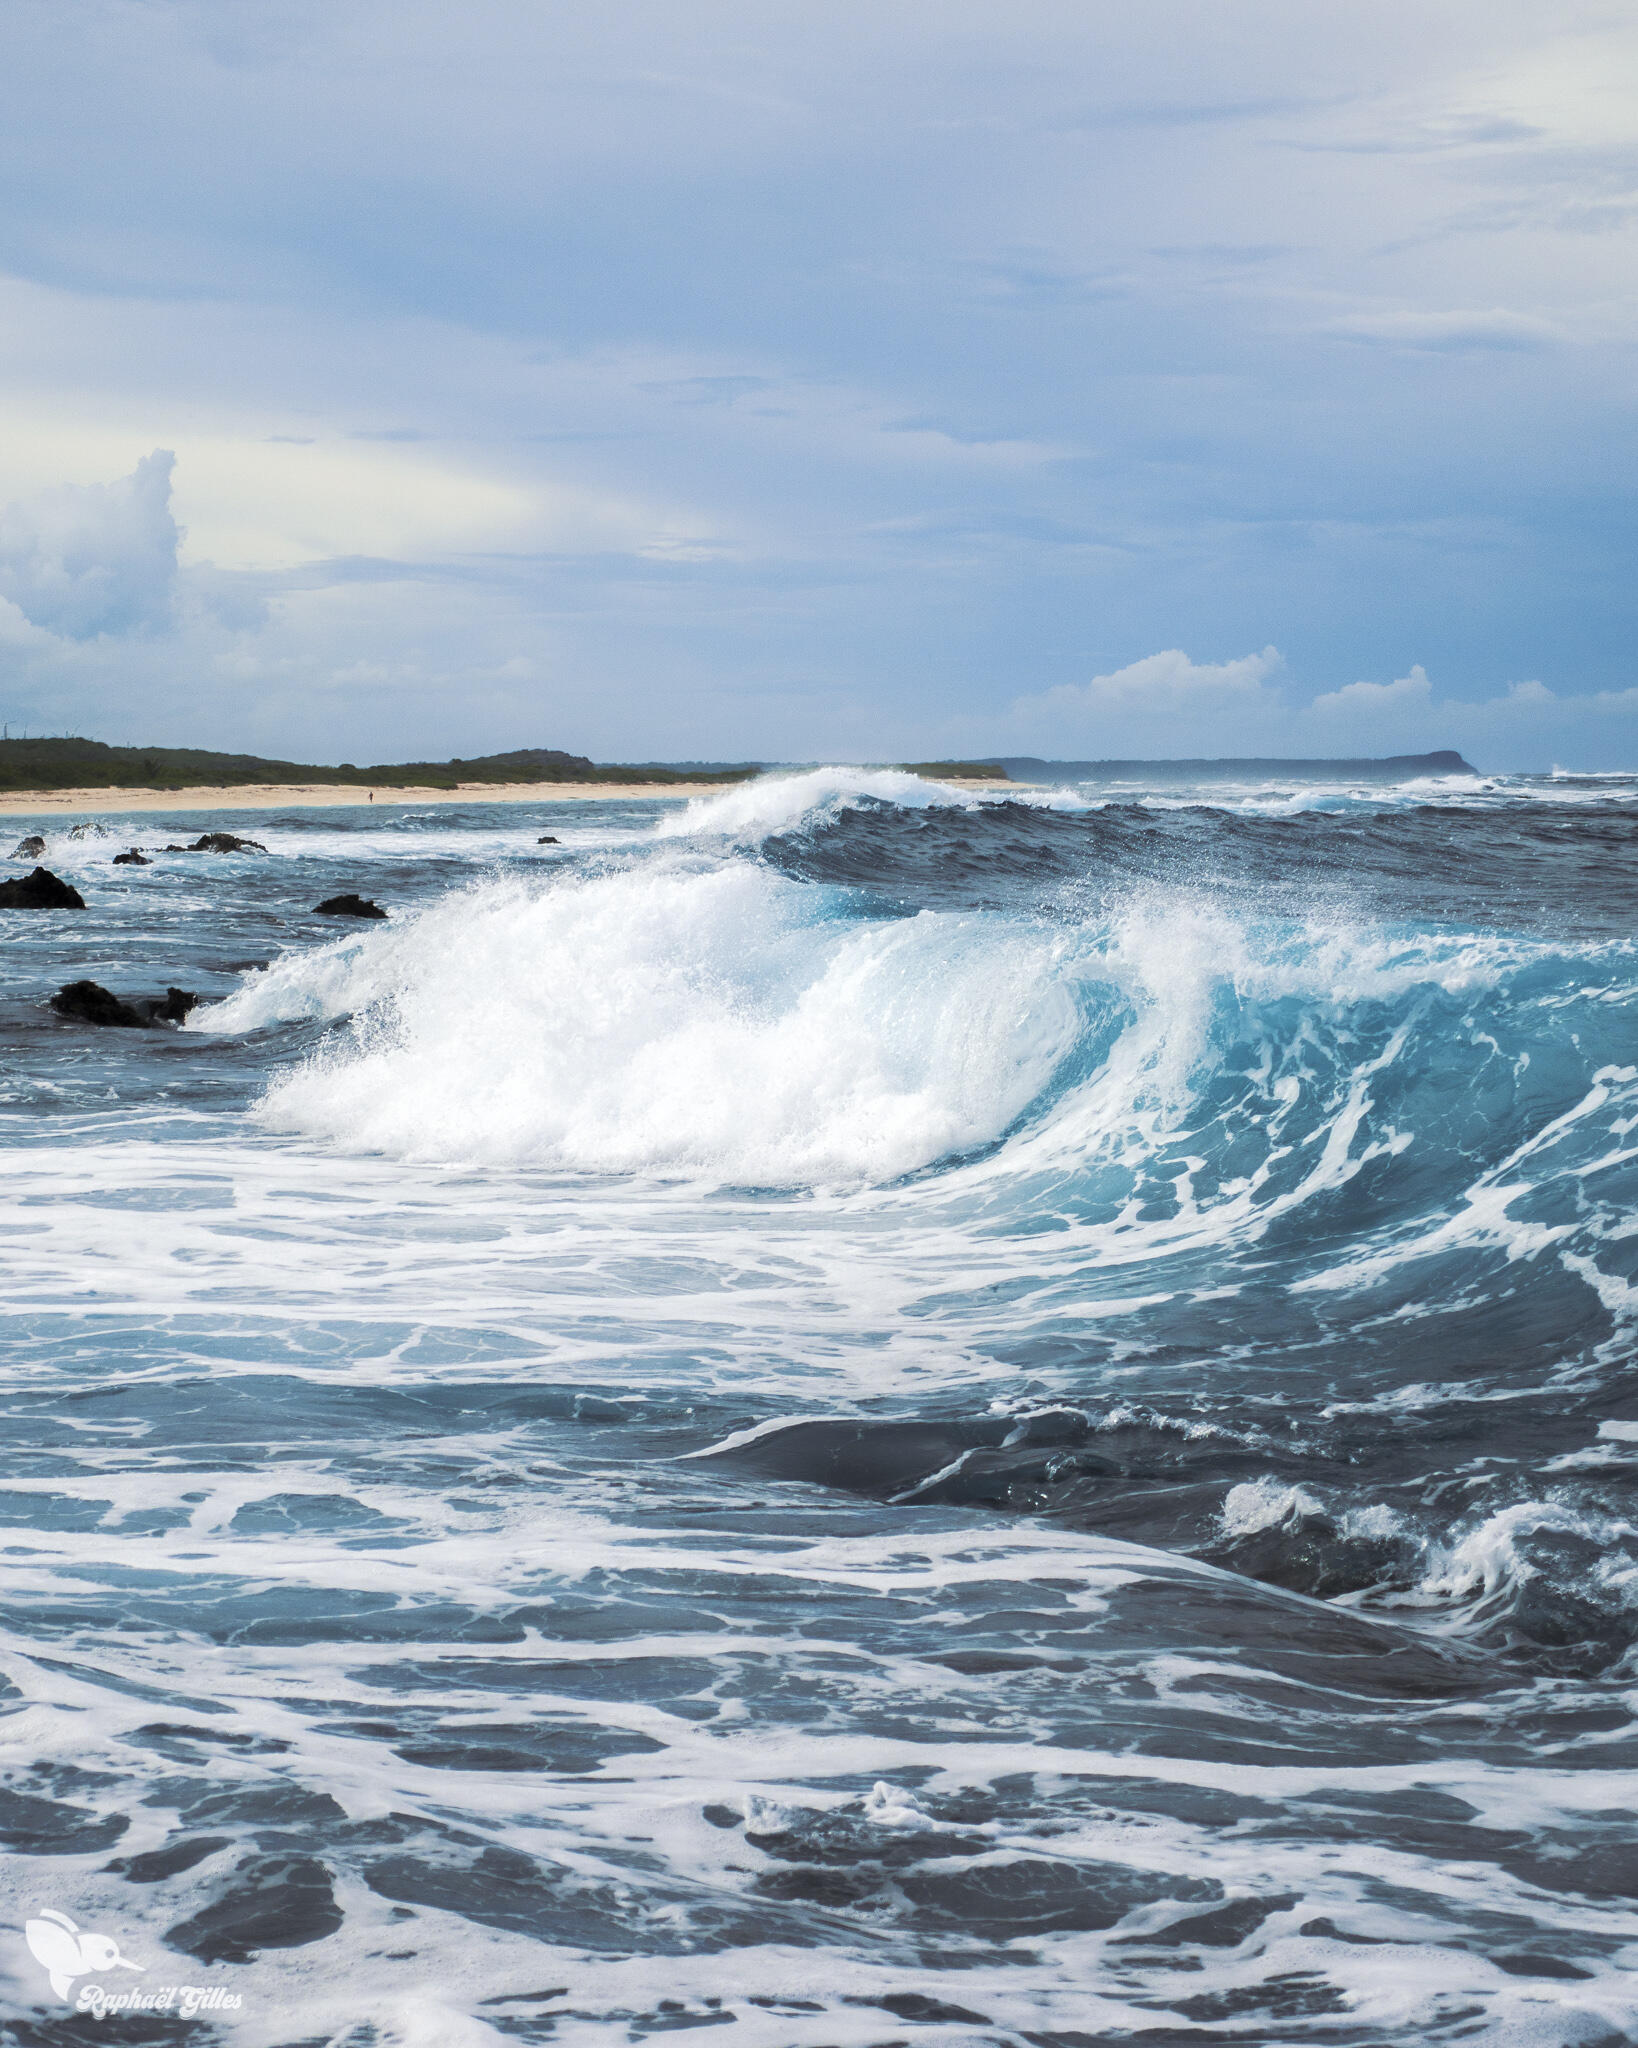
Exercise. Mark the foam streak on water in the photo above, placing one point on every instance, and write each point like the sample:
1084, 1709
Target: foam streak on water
866, 1413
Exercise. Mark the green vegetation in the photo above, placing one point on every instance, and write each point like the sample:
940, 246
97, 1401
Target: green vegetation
88, 764
956, 771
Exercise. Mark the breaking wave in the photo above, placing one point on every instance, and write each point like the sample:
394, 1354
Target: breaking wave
672, 1022
1164, 1062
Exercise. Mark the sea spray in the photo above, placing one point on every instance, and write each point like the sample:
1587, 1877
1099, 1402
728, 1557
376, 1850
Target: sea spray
660, 1021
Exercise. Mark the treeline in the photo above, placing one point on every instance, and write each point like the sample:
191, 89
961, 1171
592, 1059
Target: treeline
89, 764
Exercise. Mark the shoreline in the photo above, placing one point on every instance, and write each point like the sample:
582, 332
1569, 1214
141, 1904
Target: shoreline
303, 796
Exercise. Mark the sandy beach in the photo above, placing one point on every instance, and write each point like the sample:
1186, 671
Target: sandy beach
268, 796
285, 796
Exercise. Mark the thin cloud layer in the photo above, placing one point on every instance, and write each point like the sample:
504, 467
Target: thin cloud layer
840, 381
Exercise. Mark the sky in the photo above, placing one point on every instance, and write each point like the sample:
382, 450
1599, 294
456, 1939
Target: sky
383, 379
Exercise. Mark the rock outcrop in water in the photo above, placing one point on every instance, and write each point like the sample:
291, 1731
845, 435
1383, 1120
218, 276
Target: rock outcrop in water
88, 1002
134, 859
546, 839
178, 1002
41, 890
30, 848
348, 906
219, 842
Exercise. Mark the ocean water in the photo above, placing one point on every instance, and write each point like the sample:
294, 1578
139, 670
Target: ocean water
849, 1413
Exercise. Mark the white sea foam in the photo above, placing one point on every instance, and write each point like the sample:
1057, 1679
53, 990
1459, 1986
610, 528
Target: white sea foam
1490, 1562
656, 1020
316, 1718
1259, 1504
778, 803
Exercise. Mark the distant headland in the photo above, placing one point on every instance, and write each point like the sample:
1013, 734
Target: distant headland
46, 764
1388, 768
67, 771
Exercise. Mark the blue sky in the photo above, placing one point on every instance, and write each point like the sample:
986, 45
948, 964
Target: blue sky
841, 381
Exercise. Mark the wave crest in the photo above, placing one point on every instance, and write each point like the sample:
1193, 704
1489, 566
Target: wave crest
663, 1021
773, 804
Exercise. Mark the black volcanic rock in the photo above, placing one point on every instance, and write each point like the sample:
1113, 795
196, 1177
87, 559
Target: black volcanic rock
40, 891
348, 906
546, 839
220, 842
133, 859
30, 848
88, 1002
178, 1002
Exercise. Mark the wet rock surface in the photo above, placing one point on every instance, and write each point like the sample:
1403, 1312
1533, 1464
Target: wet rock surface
174, 1007
41, 890
219, 842
348, 906
88, 1002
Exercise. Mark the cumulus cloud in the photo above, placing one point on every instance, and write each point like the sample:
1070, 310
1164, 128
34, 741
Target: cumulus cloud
16, 631
89, 559
1523, 725
1527, 725
1373, 699
1167, 706
1371, 708
1157, 691
1164, 705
